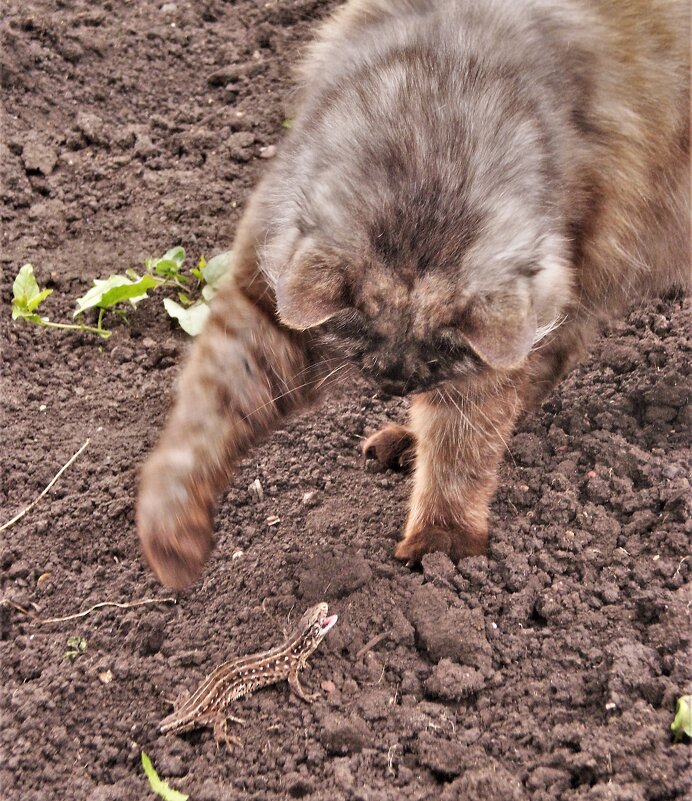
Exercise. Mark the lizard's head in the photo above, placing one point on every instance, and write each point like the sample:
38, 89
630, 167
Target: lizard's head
312, 628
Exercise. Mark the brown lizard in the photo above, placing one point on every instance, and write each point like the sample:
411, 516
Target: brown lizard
245, 674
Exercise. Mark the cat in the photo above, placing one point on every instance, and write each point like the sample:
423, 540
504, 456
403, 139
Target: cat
469, 189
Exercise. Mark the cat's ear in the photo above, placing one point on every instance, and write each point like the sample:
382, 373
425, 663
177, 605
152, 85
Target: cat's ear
501, 329
309, 291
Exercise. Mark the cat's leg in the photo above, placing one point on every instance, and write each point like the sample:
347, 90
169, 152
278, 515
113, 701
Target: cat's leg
392, 446
244, 375
462, 432
461, 435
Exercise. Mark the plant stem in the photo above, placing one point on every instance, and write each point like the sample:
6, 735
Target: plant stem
102, 332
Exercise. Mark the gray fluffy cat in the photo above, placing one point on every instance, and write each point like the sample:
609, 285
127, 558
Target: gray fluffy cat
469, 188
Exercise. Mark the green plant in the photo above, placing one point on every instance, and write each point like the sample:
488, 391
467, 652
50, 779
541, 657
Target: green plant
27, 297
75, 647
118, 293
192, 315
682, 725
160, 787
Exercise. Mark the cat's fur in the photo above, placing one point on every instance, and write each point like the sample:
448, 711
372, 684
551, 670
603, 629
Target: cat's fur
470, 187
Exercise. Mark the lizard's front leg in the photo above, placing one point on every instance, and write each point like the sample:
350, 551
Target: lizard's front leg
460, 435
221, 735
298, 689
245, 374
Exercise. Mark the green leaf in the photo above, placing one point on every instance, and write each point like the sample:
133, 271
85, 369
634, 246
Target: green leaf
27, 295
176, 255
169, 265
25, 285
683, 718
160, 787
116, 289
186, 300
197, 271
214, 271
36, 301
192, 319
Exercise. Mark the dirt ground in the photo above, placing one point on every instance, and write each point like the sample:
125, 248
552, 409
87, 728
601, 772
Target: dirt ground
548, 670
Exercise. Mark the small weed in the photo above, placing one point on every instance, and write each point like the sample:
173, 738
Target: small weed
119, 293
160, 787
76, 646
28, 297
682, 725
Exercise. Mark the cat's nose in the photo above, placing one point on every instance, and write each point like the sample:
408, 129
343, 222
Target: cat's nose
393, 387
392, 379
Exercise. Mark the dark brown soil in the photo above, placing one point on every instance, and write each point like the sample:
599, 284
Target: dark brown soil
548, 670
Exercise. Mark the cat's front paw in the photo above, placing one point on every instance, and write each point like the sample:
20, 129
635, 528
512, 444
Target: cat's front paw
454, 542
175, 529
392, 446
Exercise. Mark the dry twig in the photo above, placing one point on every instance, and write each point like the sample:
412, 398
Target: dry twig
41, 621
370, 644
47, 489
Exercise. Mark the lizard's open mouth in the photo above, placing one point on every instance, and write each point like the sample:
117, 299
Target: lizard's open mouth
326, 623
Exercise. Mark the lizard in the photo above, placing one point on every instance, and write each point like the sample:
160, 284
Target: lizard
245, 674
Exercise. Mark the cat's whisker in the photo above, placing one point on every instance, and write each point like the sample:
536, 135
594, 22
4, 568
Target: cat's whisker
333, 372
278, 397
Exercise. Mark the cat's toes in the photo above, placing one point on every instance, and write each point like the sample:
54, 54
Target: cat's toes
392, 446
455, 543
176, 536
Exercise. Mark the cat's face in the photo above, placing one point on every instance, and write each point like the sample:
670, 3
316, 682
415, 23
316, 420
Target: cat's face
411, 329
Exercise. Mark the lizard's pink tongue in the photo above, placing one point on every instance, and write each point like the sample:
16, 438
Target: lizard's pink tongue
328, 622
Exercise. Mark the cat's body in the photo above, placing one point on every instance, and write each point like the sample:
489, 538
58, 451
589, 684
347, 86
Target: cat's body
469, 189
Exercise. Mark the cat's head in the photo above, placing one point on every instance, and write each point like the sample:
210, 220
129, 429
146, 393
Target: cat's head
413, 329
423, 251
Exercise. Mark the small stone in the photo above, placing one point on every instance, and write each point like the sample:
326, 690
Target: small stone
256, 490
310, 498
401, 631
268, 152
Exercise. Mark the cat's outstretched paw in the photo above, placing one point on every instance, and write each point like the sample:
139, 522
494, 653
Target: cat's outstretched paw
392, 446
175, 530
455, 543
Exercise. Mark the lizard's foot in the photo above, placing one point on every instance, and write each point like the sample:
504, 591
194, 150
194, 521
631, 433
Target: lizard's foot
298, 689
221, 735
393, 446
